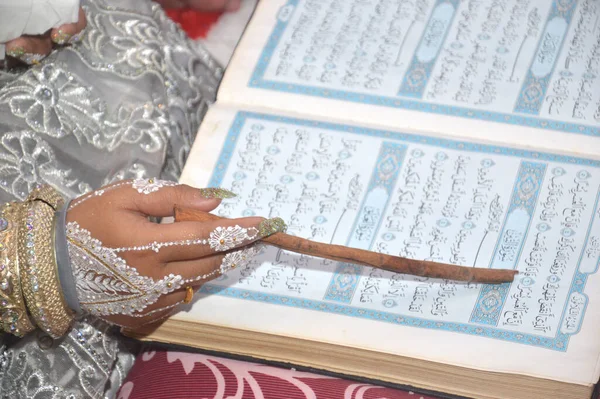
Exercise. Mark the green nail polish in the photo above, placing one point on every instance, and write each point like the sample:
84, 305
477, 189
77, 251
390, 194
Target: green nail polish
24, 56
219, 193
15, 52
271, 226
60, 37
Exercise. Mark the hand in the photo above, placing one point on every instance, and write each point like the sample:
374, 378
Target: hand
131, 271
31, 49
203, 5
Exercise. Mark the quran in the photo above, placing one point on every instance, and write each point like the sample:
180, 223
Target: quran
462, 132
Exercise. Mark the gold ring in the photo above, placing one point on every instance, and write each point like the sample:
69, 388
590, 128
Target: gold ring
189, 295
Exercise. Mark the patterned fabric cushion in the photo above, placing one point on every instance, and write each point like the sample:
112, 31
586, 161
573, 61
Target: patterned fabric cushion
182, 375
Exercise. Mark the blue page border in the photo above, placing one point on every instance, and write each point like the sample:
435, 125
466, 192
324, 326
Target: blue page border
558, 343
258, 80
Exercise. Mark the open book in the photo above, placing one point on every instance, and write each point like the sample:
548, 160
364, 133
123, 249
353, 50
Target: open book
464, 132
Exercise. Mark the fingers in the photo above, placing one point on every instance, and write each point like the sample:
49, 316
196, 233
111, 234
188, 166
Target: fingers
197, 272
69, 33
32, 49
154, 197
160, 197
166, 307
216, 236
195, 240
29, 49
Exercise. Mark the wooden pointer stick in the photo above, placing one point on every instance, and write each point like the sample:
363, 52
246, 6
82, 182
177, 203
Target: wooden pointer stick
368, 258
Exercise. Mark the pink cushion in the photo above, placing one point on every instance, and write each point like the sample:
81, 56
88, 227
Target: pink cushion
179, 375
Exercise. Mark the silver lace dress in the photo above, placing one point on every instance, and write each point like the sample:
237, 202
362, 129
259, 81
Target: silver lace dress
126, 102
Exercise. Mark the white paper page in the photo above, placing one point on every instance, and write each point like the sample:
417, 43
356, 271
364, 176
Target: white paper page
421, 197
514, 71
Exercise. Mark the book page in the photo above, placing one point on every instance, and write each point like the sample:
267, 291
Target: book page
514, 71
422, 197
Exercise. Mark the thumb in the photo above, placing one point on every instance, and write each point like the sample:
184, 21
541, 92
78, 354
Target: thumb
160, 199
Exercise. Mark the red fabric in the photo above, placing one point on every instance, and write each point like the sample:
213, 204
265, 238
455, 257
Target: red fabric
180, 375
196, 24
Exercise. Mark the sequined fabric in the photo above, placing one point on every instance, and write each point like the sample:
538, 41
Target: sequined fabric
125, 103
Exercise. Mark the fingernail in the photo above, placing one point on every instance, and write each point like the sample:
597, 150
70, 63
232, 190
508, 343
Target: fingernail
271, 226
60, 37
215, 192
15, 52
28, 58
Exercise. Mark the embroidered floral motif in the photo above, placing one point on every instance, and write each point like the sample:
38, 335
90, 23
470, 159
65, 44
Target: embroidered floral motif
27, 370
145, 125
53, 102
26, 160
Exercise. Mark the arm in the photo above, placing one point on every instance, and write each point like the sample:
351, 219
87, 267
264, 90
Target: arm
101, 255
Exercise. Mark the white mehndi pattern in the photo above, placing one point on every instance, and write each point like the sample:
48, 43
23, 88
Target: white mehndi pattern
237, 258
230, 261
221, 239
156, 246
105, 284
226, 238
97, 193
149, 186
142, 186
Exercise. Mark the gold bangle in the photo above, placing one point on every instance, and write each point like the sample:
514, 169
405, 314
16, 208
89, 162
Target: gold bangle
40, 283
47, 194
13, 312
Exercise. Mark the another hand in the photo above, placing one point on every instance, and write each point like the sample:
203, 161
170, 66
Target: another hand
31, 49
132, 271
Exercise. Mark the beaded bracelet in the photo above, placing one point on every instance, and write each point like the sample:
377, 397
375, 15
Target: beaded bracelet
13, 312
